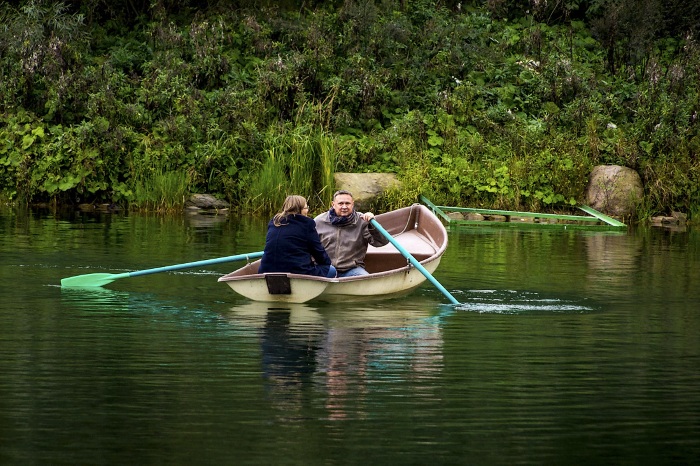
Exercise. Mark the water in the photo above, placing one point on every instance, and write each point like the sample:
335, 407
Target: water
569, 348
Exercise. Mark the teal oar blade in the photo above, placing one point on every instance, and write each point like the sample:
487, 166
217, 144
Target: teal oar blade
91, 279
414, 261
99, 279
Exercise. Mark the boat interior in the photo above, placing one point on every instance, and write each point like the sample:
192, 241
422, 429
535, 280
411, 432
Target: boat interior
422, 240
389, 258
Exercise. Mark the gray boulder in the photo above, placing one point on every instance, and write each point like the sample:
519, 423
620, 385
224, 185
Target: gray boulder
614, 190
206, 202
365, 187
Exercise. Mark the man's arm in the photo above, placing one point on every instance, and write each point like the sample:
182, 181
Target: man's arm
375, 237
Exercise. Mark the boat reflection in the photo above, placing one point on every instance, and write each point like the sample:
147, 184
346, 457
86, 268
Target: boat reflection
348, 354
397, 313
257, 314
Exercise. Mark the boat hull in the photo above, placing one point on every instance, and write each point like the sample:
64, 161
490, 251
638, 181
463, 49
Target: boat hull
415, 228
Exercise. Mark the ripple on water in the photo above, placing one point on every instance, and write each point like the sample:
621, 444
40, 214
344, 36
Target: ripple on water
518, 302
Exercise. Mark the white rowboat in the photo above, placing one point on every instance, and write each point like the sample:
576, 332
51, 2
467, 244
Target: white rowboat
415, 228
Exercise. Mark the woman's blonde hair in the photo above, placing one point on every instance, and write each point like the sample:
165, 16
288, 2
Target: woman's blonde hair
293, 205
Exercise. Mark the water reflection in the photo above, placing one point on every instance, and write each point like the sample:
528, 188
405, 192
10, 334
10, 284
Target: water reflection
288, 361
204, 221
96, 299
569, 347
639, 264
612, 262
345, 354
104, 301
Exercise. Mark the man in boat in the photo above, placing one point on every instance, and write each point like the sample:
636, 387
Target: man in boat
346, 233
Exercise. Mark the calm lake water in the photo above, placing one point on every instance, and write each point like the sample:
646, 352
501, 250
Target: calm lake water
569, 348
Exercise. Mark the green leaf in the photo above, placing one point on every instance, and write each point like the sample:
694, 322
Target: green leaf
435, 140
27, 141
68, 182
50, 186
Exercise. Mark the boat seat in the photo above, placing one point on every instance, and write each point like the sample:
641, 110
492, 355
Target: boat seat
388, 257
278, 283
414, 243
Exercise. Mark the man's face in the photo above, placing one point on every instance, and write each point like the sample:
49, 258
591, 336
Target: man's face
343, 205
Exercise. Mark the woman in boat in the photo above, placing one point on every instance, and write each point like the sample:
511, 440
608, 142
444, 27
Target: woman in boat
292, 244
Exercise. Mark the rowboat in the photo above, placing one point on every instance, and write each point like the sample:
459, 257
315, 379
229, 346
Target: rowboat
415, 228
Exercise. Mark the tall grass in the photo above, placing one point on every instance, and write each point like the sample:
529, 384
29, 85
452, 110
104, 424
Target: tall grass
301, 161
327, 159
163, 190
269, 185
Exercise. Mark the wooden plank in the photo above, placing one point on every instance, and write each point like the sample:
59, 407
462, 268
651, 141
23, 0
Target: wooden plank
513, 213
602, 216
608, 223
531, 226
435, 208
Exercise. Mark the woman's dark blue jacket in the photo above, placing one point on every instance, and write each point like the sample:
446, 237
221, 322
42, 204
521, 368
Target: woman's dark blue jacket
290, 247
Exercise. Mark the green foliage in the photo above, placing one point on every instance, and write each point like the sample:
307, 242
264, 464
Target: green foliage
503, 104
41, 47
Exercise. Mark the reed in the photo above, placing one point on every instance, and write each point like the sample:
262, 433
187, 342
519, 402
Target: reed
162, 190
301, 162
327, 158
270, 185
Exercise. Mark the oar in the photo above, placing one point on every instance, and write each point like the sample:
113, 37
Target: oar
413, 261
99, 279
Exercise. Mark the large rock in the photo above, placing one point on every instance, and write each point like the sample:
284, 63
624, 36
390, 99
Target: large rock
614, 190
206, 202
365, 187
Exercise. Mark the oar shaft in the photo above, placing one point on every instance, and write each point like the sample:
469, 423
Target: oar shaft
218, 260
414, 261
100, 279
